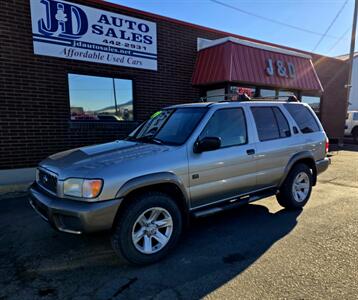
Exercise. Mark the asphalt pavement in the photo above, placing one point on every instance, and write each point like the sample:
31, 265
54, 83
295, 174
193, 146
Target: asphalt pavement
259, 251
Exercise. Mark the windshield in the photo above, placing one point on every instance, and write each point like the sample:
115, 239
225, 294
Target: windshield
169, 126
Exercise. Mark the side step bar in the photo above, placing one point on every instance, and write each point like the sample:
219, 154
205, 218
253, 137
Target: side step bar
233, 203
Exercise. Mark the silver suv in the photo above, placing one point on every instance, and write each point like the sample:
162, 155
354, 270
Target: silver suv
186, 160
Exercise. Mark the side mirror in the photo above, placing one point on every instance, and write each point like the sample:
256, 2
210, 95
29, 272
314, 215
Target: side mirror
207, 144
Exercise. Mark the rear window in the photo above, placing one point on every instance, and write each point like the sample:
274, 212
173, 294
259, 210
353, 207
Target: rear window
303, 117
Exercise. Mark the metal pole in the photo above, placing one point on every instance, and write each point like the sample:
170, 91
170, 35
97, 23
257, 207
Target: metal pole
351, 53
115, 95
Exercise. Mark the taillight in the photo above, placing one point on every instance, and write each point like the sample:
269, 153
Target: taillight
327, 145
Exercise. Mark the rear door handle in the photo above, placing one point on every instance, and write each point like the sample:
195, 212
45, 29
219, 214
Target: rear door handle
250, 151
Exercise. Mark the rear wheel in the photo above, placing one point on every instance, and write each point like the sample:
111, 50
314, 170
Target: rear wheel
296, 190
147, 229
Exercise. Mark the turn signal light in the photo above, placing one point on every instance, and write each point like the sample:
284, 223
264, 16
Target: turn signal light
92, 188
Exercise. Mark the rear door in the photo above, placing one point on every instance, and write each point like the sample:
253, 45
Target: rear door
226, 172
312, 134
276, 144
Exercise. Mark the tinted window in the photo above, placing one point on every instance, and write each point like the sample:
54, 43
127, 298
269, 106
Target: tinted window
303, 117
283, 126
355, 117
266, 124
229, 125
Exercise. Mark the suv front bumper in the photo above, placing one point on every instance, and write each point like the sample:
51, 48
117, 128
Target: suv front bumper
73, 216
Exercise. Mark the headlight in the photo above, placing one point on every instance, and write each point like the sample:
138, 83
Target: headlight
83, 188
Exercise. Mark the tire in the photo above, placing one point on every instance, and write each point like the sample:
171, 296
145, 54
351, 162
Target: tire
131, 223
290, 199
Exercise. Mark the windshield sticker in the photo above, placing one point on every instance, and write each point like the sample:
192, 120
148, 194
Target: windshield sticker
156, 114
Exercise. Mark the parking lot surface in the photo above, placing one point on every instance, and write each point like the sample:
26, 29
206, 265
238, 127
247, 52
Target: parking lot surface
259, 251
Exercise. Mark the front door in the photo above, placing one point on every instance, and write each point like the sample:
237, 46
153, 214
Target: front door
228, 171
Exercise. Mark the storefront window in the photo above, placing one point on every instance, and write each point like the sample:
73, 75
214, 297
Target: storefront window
215, 95
314, 102
286, 93
94, 98
237, 91
267, 93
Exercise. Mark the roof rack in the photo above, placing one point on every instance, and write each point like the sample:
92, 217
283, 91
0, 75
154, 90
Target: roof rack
227, 98
291, 98
244, 97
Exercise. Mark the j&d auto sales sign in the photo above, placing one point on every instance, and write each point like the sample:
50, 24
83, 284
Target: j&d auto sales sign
67, 30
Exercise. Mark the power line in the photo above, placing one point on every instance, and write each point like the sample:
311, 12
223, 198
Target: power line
340, 39
273, 20
330, 25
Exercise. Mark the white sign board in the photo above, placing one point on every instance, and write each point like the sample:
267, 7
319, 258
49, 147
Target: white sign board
67, 30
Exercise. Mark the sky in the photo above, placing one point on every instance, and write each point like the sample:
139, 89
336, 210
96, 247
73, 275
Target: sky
311, 15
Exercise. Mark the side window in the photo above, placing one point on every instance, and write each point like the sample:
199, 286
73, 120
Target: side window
266, 123
283, 126
303, 117
355, 117
228, 124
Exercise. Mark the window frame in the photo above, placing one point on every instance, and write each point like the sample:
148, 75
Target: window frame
104, 75
246, 129
276, 121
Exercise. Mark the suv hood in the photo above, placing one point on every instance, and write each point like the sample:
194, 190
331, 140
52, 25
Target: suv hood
79, 162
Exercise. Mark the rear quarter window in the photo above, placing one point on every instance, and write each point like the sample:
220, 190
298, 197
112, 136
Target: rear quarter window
303, 117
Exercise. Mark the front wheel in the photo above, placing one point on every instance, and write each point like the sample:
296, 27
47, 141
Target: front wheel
147, 229
296, 190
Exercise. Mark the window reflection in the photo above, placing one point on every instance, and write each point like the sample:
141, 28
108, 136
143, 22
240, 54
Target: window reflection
94, 98
314, 102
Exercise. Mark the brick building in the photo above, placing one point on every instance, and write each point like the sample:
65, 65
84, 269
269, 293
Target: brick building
59, 91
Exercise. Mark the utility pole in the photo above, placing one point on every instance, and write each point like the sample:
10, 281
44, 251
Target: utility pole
115, 95
351, 53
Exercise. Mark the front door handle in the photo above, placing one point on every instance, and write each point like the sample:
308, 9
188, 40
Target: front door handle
250, 151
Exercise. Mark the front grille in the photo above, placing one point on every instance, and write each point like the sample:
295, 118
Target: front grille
47, 180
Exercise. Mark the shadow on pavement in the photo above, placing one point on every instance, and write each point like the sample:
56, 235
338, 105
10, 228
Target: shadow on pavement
37, 261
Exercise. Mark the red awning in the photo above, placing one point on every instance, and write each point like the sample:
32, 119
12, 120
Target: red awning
255, 65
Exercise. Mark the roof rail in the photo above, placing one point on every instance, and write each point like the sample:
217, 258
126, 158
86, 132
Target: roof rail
245, 97
291, 98
227, 98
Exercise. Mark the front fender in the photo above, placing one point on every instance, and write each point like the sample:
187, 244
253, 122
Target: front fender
149, 180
